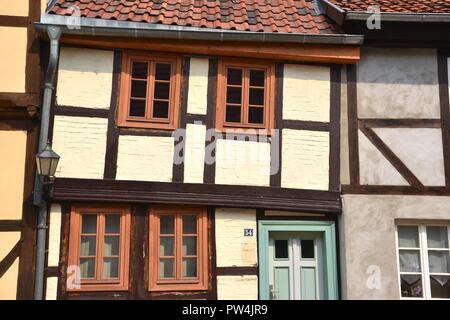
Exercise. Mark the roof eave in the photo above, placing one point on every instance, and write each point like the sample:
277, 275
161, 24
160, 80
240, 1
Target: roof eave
400, 17
102, 27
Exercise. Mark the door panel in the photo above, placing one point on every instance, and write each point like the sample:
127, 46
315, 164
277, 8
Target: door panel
308, 283
281, 283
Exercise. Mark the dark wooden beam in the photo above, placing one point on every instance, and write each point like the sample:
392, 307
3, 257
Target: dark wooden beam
139, 245
80, 112
395, 190
9, 259
32, 66
14, 21
445, 111
10, 225
335, 128
306, 125
212, 283
352, 102
144, 132
399, 123
209, 171
19, 99
237, 271
277, 148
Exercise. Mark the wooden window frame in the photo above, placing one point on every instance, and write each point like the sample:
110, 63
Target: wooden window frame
201, 283
269, 95
121, 284
123, 118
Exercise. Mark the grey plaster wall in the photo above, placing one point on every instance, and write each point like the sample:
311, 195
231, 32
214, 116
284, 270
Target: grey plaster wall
368, 222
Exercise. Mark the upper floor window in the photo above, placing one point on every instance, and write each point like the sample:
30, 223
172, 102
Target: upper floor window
424, 261
245, 97
99, 248
178, 249
149, 91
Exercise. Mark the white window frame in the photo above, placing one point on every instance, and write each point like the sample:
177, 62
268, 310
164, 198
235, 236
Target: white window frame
424, 265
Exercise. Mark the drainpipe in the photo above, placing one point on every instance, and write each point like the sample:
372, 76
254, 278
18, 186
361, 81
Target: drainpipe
39, 199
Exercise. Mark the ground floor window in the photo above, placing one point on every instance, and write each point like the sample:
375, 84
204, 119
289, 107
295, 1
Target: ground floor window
424, 260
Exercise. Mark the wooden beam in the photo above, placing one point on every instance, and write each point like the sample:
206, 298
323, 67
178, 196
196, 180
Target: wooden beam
19, 99
286, 51
335, 128
237, 271
399, 123
445, 111
10, 225
277, 148
9, 259
306, 125
352, 113
395, 190
80, 112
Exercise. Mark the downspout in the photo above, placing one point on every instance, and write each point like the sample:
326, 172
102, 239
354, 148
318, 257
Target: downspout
40, 200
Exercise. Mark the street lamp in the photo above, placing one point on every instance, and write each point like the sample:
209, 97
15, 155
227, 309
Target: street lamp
47, 161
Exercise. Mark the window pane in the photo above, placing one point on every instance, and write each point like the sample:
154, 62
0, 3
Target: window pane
256, 115
189, 267
138, 89
87, 245
409, 261
137, 108
440, 286
89, 224
87, 268
139, 70
233, 114
161, 109
234, 95
257, 78
110, 268
162, 90
166, 269
111, 246
256, 97
437, 237
166, 223
162, 71
281, 249
408, 237
112, 223
307, 248
189, 246
166, 246
234, 76
439, 261
189, 224
411, 285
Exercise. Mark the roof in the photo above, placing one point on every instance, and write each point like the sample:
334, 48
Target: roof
274, 16
395, 6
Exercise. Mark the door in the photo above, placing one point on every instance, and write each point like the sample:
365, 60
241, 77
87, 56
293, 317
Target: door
296, 266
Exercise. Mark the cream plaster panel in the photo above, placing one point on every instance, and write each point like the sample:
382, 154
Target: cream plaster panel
81, 144
374, 168
145, 158
54, 235
198, 86
306, 93
344, 152
398, 83
85, 78
232, 248
369, 222
194, 153
242, 162
237, 287
12, 171
14, 8
305, 159
420, 149
13, 59
8, 283
51, 288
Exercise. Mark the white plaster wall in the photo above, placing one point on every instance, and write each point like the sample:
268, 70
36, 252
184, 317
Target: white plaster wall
85, 78
369, 238
237, 287
81, 144
420, 149
51, 292
8, 282
374, 168
13, 59
15, 8
145, 158
194, 153
232, 248
242, 162
305, 159
54, 235
306, 93
198, 86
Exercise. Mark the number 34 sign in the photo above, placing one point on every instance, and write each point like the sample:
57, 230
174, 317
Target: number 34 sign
248, 232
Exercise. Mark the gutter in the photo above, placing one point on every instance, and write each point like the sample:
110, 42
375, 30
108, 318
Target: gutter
54, 34
101, 27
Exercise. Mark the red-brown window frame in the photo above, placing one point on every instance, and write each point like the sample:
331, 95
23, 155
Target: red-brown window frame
269, 95
123, 118
121, 283
201, 283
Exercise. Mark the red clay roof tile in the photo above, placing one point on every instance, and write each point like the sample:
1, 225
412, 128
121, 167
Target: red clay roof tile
396, 6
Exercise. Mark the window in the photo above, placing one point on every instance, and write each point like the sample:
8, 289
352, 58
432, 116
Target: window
424, 261
149, 92
178, 250
99, 245
245, 97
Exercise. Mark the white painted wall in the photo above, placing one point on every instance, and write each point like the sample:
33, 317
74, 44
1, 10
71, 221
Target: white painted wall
194, 153
305, 159
145, 158
81, 144
54, 235
85, 78
51, 292
198, 86
237, 287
